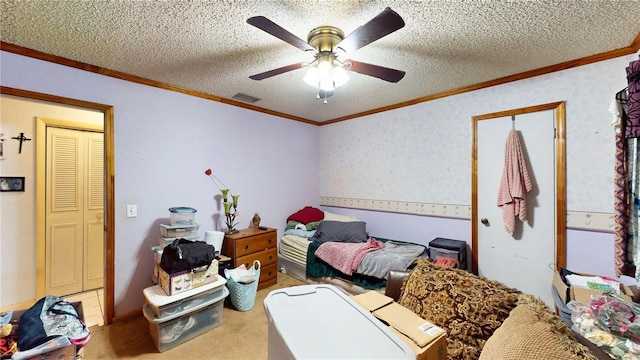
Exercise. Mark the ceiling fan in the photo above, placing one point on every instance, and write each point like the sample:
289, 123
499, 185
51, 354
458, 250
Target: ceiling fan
327, 71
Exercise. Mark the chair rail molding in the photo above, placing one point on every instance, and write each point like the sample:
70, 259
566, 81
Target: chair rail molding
577, 220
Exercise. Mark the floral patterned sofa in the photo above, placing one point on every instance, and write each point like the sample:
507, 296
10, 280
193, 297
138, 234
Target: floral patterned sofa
485, 319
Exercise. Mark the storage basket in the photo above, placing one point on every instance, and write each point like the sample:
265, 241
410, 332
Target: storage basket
243, 296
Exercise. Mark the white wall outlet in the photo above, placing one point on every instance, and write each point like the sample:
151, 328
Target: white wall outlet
132, 211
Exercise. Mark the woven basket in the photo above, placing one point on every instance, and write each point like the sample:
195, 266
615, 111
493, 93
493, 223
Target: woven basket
243, 296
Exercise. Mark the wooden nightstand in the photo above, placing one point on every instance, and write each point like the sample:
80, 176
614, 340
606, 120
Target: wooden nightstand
250, 244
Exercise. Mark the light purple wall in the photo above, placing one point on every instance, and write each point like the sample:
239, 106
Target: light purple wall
421, 154
164, 141
413, 228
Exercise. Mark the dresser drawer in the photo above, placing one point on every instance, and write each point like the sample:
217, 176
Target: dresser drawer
255, 243
266, 257
268, 276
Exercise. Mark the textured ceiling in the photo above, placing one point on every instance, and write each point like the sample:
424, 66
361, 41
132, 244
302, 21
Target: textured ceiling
207, 46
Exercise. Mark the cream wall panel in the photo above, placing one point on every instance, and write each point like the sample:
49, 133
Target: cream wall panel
17, 209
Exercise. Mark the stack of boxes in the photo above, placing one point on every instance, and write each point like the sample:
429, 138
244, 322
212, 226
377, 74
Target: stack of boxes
182, 225
186, 304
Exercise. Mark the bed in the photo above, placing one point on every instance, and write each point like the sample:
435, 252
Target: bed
337, 250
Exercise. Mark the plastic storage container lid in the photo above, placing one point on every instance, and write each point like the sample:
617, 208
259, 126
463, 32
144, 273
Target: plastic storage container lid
182, 210
156, 296
341, 328
180, 226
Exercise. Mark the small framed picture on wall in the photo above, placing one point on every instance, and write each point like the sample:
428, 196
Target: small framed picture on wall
11, 183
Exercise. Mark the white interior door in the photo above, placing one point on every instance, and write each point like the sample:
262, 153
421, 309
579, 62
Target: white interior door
74, 211
525, 260
93, 247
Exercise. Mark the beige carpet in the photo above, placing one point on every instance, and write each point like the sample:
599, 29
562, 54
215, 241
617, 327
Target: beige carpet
242, 335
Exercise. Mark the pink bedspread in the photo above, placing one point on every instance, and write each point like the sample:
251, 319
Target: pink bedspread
346, 257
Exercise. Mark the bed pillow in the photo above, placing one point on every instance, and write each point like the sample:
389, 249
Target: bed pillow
329, 216
532, 332
339, 231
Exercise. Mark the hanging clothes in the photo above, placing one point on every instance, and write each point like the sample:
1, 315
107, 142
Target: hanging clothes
515, 183
632, 129
632, 133
627, 175
618, 110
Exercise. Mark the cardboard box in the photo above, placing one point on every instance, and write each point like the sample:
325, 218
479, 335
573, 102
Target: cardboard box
427, 340
436, 350
568, 293
186, 280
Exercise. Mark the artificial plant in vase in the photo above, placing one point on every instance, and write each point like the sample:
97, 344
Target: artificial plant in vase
230, 207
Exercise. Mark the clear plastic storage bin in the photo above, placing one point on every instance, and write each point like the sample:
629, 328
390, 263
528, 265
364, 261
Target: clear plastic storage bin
170, 231
182, 215
183, 326
162, 305
164, 241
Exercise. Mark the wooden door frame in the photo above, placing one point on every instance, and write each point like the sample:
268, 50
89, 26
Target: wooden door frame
560, 178
109, 169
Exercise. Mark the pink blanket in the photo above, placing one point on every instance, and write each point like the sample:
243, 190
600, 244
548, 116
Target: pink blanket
346, 257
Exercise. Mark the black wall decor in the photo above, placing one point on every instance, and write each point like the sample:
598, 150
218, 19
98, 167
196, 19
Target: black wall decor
11, 183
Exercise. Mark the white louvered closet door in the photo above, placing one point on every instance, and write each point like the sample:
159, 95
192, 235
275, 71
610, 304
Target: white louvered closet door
74, 211
93, 257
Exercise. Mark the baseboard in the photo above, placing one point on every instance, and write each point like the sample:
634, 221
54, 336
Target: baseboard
127, 316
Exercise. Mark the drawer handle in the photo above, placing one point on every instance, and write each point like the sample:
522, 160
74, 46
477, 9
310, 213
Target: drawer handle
246, 247
270, 257
270, 241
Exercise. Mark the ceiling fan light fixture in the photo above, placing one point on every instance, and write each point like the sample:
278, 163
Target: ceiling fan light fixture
327, 73
340, 76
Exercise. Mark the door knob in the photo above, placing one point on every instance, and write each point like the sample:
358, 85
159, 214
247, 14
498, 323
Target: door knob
485, 221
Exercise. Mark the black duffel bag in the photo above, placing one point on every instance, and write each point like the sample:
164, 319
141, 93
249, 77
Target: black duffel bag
186, 255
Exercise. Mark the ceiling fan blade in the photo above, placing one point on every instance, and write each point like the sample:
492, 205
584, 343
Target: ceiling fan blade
381, 72
276, 30
380, 26
278, 71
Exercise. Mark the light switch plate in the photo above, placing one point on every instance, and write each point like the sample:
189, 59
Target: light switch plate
132, 211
